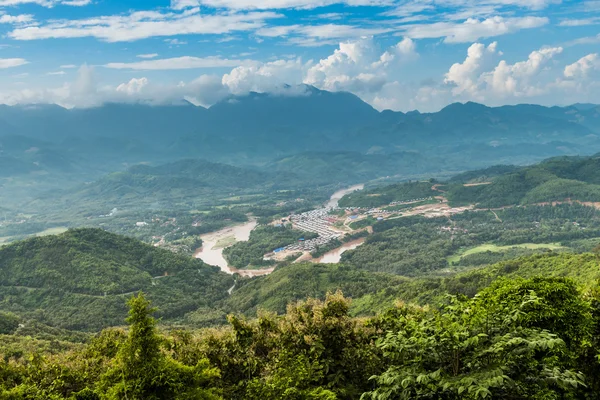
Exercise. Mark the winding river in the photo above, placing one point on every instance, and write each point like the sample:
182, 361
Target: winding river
213, 243
337, 196
334, 256
212, 254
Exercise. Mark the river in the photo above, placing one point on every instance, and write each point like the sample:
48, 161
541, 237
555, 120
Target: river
337, 196
334, 256
212, 254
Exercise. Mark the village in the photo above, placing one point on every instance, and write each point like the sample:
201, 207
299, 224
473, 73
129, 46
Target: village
334, 223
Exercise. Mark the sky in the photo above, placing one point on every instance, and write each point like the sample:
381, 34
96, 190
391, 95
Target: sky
393, 54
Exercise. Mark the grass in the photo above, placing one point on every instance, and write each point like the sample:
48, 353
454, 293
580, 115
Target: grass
496, 249
53, 231
400, 207
225, 242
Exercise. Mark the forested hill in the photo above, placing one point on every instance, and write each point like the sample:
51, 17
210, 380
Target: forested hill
556, 179
79, 280
373, 292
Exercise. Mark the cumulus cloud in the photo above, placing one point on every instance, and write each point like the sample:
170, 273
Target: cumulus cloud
472, 79
135, 85
349, 67
465, 76
359, 66
522, 78
582, 67
264, 77
152, 55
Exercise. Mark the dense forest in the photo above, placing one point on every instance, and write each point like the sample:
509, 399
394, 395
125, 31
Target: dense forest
263, 240
555, 179
416, 245
523, 338
79, 279
389, 194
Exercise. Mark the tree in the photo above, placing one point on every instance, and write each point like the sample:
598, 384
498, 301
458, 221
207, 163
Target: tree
143, 372
472, 349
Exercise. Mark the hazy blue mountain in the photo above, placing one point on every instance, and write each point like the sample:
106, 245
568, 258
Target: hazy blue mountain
353, 167
256, 129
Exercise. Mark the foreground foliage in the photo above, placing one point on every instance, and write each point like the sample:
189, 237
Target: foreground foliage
517, 339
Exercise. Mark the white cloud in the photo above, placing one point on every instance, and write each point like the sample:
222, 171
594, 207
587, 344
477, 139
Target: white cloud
56, 73
359, 67
277, 31
152, 55
584, 40
522, 78
12, 62
287, 4
145, 24
76, 3
133, 86
175, 42
473, 29
313, 35
264, 77
45, 3
582, 67
580, 22
15, 19
185, 62
465, 76
334, 31
183, 4
68, 66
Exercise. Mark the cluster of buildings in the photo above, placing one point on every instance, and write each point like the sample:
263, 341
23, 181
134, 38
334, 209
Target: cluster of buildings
317, 221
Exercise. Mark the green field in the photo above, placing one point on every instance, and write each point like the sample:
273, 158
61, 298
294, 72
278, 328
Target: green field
496, 249
53, 231
225, 242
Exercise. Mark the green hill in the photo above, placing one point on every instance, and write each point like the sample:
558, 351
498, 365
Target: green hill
389, 194
170, 185
297, 281
373, 292
582, 268
80, 279
556, 179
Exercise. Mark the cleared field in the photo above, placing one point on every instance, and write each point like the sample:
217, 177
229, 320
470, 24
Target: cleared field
53, 231
225, 242
495, 248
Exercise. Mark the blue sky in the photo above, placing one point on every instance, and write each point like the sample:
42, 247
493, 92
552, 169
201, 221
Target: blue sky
395, 54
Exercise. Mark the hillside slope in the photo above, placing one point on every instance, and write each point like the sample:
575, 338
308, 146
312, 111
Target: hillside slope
80, 279
556, 179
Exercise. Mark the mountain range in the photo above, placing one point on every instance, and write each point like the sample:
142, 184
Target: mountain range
308, 136
261, 126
